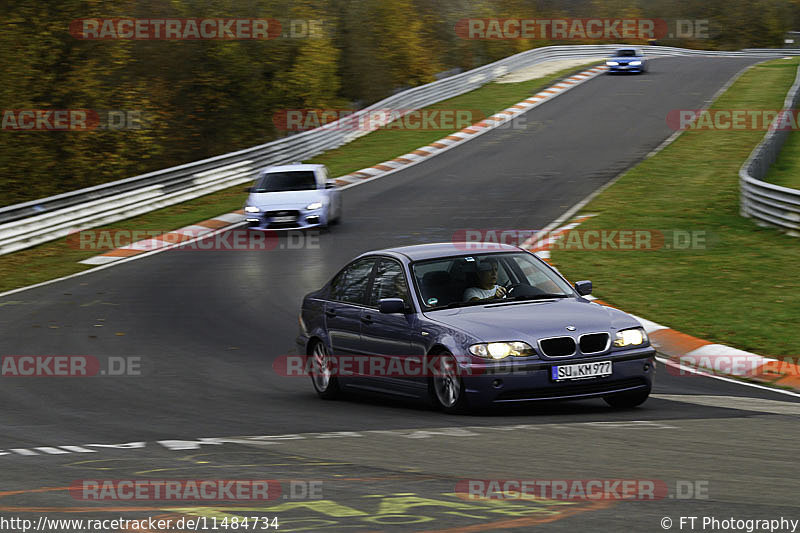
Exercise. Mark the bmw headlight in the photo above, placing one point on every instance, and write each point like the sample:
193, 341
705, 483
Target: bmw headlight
314, 206
612, 63
251, 209
630, 337
501, 350
635, 63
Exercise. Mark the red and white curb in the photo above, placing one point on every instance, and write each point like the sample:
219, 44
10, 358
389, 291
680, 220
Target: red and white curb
169, 239
687, 353
177, 237
488, 124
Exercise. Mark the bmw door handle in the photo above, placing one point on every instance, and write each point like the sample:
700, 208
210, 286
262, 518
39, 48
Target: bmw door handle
330, 314
366, 319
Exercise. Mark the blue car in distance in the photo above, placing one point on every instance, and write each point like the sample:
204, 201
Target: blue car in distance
627, 60
467, 325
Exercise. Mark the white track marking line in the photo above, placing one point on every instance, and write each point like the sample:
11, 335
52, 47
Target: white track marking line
742, 403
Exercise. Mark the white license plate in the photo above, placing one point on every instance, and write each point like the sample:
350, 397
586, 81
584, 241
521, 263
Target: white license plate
284, 219
581, 371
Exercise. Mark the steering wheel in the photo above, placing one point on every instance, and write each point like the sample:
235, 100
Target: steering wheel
525, 288
509, 287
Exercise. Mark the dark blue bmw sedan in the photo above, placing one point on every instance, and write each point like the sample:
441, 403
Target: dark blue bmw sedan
469, 325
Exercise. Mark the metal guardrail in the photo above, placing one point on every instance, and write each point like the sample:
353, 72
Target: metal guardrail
35, 222
768, 203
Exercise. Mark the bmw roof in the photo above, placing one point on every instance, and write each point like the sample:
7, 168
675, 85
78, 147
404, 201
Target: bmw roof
446, 249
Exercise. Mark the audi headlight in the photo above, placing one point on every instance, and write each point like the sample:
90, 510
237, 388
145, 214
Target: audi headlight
501, 350
630, 337
251, 209
635, 63
313, 206
612, 63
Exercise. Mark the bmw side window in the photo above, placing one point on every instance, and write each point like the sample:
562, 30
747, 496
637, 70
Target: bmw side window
390, 282
352, 287
335, 291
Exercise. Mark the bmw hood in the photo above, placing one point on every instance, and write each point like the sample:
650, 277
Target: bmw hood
530, 321
286, 199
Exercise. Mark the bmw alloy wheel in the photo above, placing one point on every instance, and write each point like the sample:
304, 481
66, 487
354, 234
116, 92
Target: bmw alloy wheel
448, 388
322, 378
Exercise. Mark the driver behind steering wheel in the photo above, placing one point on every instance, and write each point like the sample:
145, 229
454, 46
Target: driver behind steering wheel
487, 288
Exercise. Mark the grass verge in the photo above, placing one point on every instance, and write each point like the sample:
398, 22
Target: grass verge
737, 286
786, 170
57, 258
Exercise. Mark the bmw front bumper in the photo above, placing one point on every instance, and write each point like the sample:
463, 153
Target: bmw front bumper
487, 383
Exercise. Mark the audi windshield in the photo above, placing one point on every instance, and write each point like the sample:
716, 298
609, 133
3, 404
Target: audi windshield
300, 180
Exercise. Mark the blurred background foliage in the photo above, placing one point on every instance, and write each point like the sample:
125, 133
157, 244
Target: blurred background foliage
203, 98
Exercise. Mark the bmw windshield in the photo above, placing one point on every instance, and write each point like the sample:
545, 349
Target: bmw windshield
475, 279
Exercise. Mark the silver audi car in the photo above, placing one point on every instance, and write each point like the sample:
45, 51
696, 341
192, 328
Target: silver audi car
293, 197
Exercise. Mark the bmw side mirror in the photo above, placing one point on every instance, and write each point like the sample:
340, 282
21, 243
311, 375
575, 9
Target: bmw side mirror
391, 305
583, 287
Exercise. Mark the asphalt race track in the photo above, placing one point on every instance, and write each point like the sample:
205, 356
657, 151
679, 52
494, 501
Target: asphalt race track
208, 325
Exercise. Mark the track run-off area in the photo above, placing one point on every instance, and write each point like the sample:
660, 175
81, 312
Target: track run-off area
207, 326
